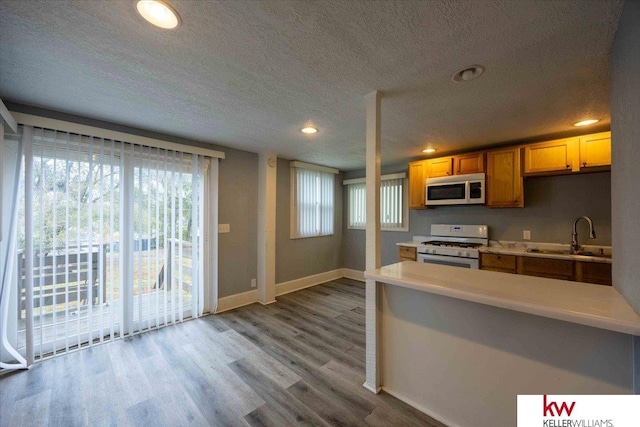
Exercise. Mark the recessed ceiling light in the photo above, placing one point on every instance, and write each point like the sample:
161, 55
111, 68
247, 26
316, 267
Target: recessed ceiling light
429, 150
309, 129
159, 13
587, 122
468, 73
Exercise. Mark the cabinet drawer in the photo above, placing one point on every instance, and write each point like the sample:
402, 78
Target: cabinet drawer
546, 267
407, 252
498, 262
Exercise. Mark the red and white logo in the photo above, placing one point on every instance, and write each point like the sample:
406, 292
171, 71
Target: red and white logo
551, 406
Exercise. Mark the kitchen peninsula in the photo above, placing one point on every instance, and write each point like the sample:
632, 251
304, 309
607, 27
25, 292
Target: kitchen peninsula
461, 344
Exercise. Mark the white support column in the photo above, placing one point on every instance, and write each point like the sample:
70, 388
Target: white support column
267, 171
373, 251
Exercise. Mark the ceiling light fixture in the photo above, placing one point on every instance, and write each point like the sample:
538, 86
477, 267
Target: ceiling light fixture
468, 73
159, 13
429, 150
587, 122
308, 129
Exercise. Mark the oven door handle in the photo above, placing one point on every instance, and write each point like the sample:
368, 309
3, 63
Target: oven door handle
471, 262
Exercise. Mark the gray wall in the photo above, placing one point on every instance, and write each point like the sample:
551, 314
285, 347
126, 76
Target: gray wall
238, 201
296, 258
625, 130
238, 206
551, 205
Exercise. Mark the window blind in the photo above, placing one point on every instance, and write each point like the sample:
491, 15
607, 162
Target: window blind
313, 202
393, 200
110, 240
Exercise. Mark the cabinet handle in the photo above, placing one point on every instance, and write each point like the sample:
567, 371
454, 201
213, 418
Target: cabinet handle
584, 165
568, 166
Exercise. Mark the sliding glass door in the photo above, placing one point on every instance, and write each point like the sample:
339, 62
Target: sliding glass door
109, 240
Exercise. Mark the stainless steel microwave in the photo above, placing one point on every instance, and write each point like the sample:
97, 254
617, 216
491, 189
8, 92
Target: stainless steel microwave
456, 190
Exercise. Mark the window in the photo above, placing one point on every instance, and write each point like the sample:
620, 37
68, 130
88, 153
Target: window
393, 203
312, 200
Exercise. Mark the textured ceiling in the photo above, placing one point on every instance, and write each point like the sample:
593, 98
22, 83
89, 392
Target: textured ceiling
250, 74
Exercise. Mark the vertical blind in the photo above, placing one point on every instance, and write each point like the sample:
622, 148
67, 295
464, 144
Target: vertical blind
110, 240
392, 204
313, 203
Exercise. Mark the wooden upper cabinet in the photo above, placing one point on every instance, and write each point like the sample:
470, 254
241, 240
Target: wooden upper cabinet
417, 183
442, 166
504, 179
562, 155
469, 163
595, 150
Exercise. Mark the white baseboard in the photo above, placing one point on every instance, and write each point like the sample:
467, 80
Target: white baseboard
374, 390
305, 282
353, 274
237, 300
419, 407
249, 297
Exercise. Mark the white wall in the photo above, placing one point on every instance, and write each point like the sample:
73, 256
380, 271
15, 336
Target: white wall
465, 363
625, 133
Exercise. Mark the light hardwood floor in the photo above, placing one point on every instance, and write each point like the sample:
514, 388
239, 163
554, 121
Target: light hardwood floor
299, 361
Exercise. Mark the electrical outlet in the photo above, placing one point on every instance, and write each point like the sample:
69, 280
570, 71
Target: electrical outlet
253, 283
526, 234
224, 228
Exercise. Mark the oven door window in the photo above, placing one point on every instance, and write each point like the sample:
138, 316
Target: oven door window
446, 192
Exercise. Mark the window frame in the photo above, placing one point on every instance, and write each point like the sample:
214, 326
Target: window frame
405, 202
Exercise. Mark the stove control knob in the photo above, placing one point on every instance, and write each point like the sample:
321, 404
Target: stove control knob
459, 253
465, 254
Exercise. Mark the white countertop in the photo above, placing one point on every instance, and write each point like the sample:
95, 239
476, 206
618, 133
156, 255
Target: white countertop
582, 303
523, 252
520, 249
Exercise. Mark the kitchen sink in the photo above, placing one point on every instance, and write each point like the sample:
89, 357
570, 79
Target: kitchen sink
548, 252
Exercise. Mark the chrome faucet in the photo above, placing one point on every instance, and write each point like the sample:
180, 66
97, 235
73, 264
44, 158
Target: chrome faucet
574, 236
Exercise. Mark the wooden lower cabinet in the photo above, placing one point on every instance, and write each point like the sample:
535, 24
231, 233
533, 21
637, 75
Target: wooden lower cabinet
593, 272
551, 268
546, 267
495, 262
407, 253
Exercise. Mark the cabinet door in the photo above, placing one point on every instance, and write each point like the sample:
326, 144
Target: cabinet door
546, 267
439, 167
497, 262
417, 184
504, 180
553, 156
595, 150
468, 163
406, 253
593, 272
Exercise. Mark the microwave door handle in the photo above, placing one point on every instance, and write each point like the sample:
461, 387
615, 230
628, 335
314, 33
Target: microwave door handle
467, 191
